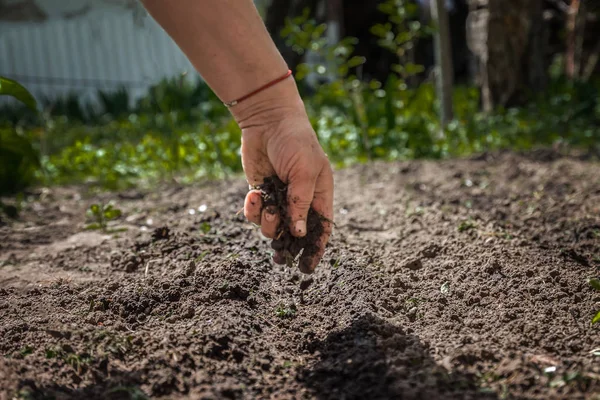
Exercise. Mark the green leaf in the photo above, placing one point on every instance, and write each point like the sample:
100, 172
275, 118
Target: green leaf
12, 88
596, 318
111, 213
205, 227
93, 227
95, 209
595, 283
356, 61
413, 69
25, 351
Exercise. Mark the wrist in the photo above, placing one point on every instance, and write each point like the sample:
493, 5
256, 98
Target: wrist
269, 106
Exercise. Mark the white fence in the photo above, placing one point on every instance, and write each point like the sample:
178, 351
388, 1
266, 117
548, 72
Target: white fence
105, 49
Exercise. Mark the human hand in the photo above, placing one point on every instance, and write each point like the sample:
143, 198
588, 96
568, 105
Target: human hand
287, 146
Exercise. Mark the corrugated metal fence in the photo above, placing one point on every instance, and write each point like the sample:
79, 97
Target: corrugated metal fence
103, 50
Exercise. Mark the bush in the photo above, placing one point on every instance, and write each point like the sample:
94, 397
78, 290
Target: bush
19, 161
180, 130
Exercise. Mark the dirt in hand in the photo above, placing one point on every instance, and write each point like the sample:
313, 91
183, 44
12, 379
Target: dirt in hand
460, 279
288, 247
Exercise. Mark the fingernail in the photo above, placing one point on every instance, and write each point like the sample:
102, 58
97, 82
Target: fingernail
301, 227
270, 217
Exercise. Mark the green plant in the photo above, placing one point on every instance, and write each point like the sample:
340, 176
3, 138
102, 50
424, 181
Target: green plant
285, 311
101, 214
205, 227
400, 34
19, 161
465, 226
180, 130
25, 351
9, 87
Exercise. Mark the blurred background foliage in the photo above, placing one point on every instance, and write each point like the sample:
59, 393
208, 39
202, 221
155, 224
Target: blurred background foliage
181, 131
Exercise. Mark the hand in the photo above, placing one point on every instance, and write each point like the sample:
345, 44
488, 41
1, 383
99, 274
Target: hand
288, 147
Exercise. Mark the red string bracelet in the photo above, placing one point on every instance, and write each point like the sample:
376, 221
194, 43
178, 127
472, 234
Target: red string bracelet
260, 89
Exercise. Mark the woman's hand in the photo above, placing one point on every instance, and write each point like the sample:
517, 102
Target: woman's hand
230, 47
283, 143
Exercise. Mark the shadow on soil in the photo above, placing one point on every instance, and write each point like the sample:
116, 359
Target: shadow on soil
372, 359
124, 385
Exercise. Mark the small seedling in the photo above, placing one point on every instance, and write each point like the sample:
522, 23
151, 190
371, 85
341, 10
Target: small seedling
205, 227
283, 311
25, 351
201, 256
52, 352
224, 286
466, 226
595, 283
412, 302
101, 214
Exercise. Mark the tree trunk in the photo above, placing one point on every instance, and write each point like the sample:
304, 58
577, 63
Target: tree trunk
508, 39
571, 34
535, 64
443, 60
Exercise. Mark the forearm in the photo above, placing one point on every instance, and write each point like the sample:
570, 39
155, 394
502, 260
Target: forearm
230, 47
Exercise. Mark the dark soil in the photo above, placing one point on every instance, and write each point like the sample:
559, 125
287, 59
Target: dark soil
443, 280
275, 201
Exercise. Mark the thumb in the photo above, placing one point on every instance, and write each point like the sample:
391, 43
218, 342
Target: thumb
300, 196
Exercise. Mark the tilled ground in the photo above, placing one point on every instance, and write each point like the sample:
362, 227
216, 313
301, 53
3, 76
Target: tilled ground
444, 280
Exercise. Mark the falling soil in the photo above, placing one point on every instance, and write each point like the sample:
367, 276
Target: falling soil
275, 201
462, 279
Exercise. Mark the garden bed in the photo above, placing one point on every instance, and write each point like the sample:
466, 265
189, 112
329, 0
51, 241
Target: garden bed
463, 279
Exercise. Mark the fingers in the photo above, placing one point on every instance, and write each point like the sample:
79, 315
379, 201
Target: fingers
269, 222
252, 206
301, 190
322, 204
268, 219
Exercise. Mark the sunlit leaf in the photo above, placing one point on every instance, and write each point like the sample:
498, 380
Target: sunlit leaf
596, 318
413, 69
205, 227
95, 209
12, 88
112, 213
93, 226
356, 61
